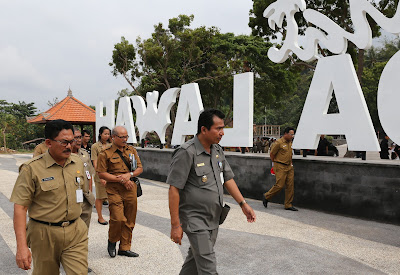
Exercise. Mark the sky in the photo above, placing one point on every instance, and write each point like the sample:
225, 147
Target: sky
47, 46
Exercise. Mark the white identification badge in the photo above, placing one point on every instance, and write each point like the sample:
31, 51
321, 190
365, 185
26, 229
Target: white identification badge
222, 177
79, 195
88, 175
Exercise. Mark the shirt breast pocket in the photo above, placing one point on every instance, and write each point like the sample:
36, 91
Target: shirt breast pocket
204, 175
49, 185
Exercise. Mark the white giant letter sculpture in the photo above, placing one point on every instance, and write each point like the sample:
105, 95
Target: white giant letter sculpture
241, 134
125, 118
189, 103
336, 73
107, 120
153, 118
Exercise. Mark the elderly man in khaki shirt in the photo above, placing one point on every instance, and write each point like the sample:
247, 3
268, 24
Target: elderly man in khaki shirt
121, 191
49, 187
281, 157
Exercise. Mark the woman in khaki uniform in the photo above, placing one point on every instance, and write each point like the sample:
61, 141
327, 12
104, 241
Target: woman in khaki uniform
101, 194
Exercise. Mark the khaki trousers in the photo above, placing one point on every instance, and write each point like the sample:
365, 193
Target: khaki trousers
284, 178
201, 256
87, 209
123, 208
52, 245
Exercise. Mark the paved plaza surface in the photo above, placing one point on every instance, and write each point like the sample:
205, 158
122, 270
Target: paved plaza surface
279, 242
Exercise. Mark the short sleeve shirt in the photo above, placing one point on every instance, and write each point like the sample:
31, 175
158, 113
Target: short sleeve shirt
48, 189
282, 151
40, 149
200, 176
97, 148
109, 160
87, 167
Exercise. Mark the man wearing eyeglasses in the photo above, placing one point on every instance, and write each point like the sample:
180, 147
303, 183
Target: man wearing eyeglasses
88, 197
49, 188
121, 190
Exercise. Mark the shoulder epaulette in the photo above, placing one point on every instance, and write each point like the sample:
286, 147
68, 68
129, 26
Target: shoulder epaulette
33, 159
187, 144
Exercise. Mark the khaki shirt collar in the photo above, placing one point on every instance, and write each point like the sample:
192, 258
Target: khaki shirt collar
50, 161
114, 148
199, 147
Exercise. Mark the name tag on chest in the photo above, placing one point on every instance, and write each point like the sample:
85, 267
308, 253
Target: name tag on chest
47, 179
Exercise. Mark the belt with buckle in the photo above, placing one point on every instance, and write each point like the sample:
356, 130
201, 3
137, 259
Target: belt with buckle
62, 224
282, 163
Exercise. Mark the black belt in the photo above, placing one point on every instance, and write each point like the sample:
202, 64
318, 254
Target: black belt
282, 163
62, 224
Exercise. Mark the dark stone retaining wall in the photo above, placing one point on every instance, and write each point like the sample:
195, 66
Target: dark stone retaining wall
364, 189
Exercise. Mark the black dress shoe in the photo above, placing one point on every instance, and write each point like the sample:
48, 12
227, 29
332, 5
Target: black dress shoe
111, 249
89, 270
103, 223
292, 209
265, 202
127, 253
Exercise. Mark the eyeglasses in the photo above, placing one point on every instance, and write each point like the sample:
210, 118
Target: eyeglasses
78, 137
123, 137
64, 142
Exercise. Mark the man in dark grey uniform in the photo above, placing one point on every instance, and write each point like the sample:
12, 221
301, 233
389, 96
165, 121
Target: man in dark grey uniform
197, 176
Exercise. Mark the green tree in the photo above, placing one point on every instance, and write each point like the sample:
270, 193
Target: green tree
178, 54
124, 63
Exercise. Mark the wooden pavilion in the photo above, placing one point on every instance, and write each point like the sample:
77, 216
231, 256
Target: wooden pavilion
71, 110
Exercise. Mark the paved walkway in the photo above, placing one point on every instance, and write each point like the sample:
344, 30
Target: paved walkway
280, 242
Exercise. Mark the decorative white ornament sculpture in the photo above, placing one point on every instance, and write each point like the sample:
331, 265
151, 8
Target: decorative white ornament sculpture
336, 73
189, 103
153, 118
335, 40
125, 118
107, 120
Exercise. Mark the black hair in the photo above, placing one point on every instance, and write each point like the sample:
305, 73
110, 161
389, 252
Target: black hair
206, 118
102, 129
53, 128
288, 129
85, 132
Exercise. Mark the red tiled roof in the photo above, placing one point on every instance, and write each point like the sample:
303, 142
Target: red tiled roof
69, 109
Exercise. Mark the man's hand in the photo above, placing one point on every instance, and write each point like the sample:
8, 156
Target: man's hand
103, 182
124, 177
24, 258
128, 185
176, 234
249, 212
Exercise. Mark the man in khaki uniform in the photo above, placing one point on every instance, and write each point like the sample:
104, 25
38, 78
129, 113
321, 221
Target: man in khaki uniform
49, 187
197, 177
121, 191
88, 196
281, 157
40, 149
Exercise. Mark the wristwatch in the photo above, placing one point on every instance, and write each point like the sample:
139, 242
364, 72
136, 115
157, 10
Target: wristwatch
131, 174
242, 203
